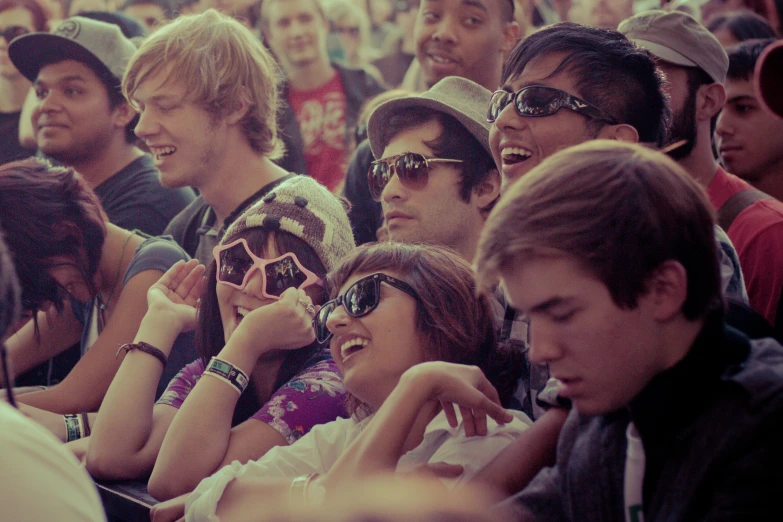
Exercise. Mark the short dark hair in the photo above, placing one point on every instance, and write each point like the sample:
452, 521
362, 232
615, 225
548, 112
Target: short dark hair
49, 211
743, 58
743, 25
454, 142
602, 60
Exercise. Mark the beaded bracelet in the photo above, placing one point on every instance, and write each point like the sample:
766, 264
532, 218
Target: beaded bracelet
227, 372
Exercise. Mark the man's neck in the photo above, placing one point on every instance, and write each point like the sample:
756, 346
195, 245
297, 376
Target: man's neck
241, 175
310, 76
700, 163
13, 91
116, 157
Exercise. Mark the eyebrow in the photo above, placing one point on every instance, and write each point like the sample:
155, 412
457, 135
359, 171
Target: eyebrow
475, 3
547, 305
72, 78
741, 97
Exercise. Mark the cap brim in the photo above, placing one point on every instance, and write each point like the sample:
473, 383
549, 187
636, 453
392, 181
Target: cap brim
30, 52
378, 122
664, 53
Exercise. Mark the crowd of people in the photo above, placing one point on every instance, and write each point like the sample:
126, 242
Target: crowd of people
392, 260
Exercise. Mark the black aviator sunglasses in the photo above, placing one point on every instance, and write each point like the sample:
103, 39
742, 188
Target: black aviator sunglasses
537, 101
359, 300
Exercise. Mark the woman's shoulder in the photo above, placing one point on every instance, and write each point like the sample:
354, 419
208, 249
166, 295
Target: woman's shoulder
155, 253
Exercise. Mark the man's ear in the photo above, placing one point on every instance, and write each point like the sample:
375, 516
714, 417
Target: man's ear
619, 132
123, 114
667, 289
488, 191
510, 37
709, 101
239, 108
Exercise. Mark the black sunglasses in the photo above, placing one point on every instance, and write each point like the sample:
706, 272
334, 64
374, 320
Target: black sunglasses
411, 168
359, 300
537, 101
13, 31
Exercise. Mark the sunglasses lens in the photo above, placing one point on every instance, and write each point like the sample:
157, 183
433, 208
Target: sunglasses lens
322, 333
234, 264
497, 103
14, 31
538, 101
361, 298
412, 170
282, 275
378, 177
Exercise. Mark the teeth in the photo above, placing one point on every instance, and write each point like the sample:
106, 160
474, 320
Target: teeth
441, 59
242, 312
511, 151
164, 151
346, 348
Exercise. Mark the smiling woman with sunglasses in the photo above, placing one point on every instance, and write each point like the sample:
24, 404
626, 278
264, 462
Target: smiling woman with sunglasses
17, 17
262, 379
409, 336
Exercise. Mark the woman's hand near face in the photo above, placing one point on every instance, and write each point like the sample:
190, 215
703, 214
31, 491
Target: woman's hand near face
175, 296
283, 325
461, 385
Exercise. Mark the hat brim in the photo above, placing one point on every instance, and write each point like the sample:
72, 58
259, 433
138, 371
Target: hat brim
664, 53
378, 123
30, 52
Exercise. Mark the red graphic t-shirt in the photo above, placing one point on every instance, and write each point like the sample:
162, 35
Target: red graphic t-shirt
320, 114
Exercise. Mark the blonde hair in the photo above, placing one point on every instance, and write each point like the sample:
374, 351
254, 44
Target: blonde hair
220, 62
619, 210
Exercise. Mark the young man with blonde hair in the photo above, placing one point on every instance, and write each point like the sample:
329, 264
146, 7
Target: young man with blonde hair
609, 249
322, 100
206, 91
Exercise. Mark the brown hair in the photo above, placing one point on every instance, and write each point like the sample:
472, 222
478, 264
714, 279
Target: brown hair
40, 13
221, 62
620, 210
454, 323
45, 212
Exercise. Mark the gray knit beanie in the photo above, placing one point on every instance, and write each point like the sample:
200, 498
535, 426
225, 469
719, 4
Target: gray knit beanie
302, 207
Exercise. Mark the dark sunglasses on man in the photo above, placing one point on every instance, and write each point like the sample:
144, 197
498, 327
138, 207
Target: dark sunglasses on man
13, 31
537, 101
411, 168
359, 300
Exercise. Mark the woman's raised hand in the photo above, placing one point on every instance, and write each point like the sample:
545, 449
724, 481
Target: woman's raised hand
283, 325
177, 293
461, 385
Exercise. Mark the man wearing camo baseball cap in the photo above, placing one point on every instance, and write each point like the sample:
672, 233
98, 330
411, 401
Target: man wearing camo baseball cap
83, 121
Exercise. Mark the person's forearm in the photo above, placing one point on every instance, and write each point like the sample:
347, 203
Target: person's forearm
199, 435
381, 444
122, 430
514, 467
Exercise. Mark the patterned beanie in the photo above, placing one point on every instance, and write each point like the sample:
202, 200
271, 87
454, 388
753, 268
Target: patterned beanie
306, 209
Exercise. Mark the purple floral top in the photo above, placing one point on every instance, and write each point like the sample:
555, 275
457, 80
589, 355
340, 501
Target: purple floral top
314, 396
